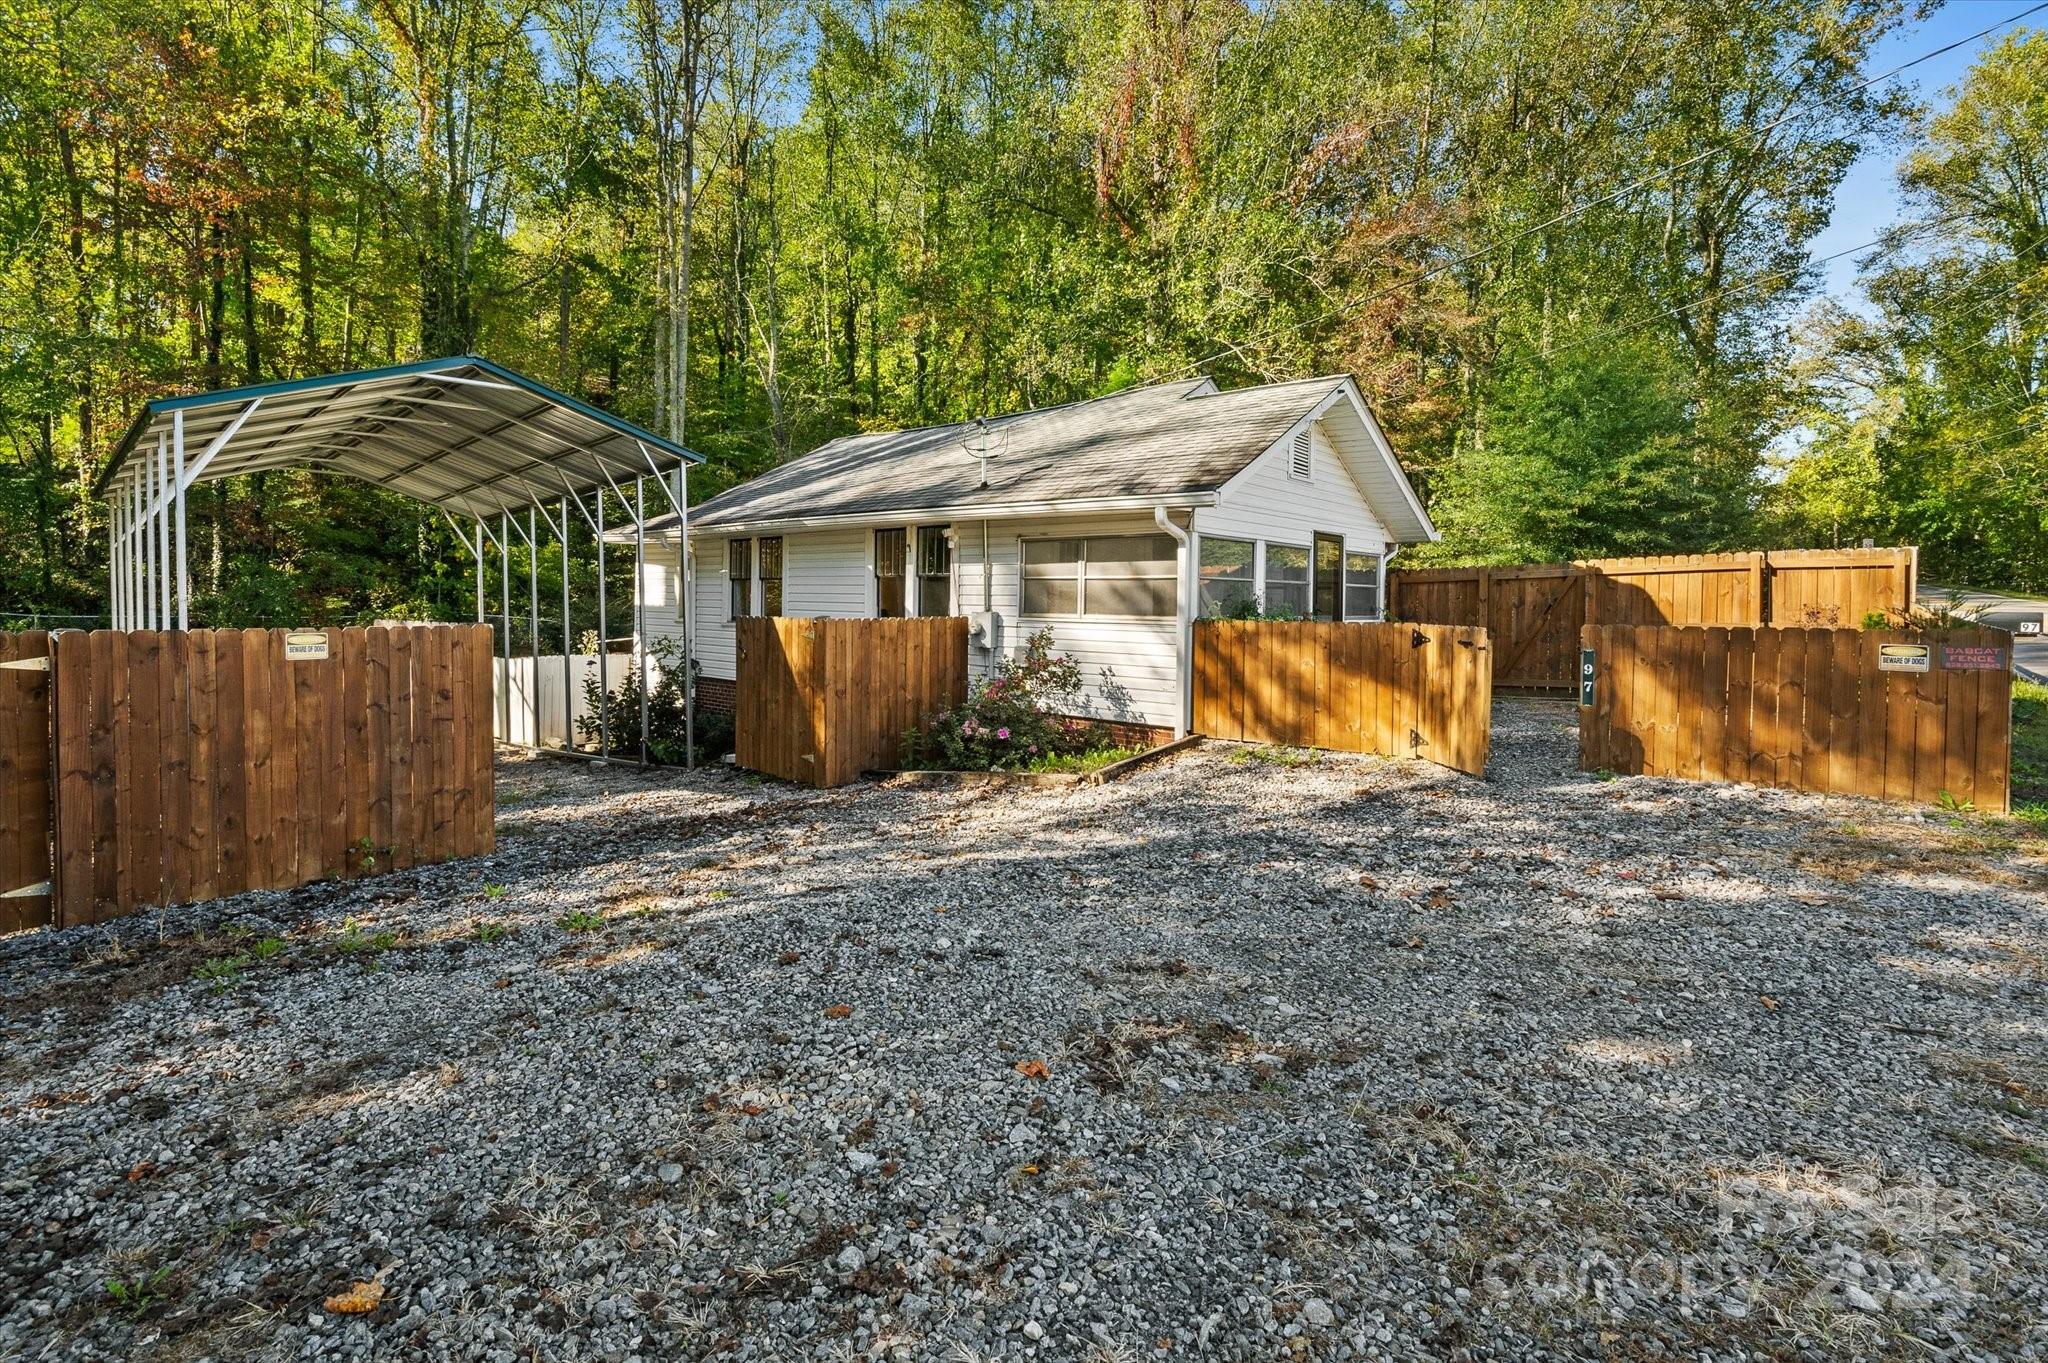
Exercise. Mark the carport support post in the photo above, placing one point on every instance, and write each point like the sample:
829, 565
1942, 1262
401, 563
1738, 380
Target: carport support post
640, 601
479, 570
533, 612
604, 685
163, 532
178, 493
568, 641
505, 608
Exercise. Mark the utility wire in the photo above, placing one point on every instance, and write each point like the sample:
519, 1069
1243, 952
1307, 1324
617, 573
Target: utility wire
1790, 116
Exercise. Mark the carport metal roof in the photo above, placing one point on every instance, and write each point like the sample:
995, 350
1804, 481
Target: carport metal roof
460, 433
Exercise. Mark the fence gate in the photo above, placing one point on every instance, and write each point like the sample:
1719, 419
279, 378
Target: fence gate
1855, 712
821, 701
1397, 690
24, 780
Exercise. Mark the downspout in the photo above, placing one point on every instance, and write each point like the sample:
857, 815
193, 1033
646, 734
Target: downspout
1385, 559
1183, 626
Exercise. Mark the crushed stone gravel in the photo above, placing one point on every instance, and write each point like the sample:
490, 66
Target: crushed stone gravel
1251, 1055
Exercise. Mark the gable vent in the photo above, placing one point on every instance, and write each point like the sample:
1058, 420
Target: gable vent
1299, 465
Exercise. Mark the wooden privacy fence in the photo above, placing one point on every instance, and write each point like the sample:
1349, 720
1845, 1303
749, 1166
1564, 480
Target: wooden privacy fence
1396, 690
821, 701
1805, 709
1535, 612
188, 765
24, 780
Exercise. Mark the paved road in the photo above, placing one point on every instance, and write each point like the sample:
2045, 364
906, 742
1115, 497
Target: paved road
2029, 652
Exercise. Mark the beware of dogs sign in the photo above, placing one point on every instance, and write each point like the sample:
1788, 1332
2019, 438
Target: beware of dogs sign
1905, 657
305, 645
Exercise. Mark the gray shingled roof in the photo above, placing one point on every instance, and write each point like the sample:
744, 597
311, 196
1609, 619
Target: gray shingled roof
1153, 441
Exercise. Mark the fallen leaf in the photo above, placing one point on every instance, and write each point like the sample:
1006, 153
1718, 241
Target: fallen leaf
141, 1171
790, 958
1767, 1001
1368, 883
1415, 943
1033, 1069
259, 1241
1440, 900
1029, 1169
357, 1300
1663, 893
839, 1010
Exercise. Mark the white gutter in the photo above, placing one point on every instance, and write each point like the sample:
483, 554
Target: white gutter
1183, 623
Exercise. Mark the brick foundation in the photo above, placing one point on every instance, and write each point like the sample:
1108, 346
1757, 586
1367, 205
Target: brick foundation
1136, 735
717, 695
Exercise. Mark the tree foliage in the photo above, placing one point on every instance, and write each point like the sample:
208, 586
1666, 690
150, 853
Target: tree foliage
1929, 421
1559, 242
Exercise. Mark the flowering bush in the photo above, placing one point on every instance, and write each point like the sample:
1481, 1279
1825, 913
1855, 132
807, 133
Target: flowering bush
1011, 720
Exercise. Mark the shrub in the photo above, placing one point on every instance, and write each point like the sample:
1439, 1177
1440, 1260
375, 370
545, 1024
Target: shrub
666, 730
1245, 605
1010, 720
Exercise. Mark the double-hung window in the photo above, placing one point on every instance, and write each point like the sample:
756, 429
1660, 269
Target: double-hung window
1128, 576
1361, 586
739, 572
1287, 581
1227, 585
771, 575
890, 551
934, 571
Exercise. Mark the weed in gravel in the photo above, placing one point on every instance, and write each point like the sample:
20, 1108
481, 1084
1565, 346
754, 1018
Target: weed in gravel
354, 938
580, 920
136, 1297
489, 930
494, 892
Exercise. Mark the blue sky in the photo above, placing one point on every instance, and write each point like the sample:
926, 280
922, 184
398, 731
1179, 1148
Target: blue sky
1868, 200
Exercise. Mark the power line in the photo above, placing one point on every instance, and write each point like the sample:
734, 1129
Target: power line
1789, 116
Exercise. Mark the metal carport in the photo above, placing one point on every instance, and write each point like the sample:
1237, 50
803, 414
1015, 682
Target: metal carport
472, 438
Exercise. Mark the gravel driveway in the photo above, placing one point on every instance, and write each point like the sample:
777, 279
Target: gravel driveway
1241, 1058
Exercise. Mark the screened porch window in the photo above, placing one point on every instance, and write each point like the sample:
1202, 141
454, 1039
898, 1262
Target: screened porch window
1287, 580
1103, 575
1226, 572
1361, 586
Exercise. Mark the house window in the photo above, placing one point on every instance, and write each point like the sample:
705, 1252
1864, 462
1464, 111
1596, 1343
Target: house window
739, 572
934, 571
1287, 581
889, 579
771, 575
1107, 575
1361, 586
1301, 463
1226, 571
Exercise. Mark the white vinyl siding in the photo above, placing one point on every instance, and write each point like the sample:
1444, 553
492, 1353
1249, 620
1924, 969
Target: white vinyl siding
1127, 665
1266, 503
822, 574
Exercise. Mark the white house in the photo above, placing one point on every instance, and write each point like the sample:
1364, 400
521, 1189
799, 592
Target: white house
1113, 522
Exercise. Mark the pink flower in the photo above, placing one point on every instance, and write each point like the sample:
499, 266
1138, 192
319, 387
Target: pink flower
1002, 733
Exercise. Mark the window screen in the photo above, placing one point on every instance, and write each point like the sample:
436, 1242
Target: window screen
934, 571
1226, 572
1128, 575
771, 575
1052, 577
739, 570
889, 566
1112, 575
1287, 580
1361, 586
